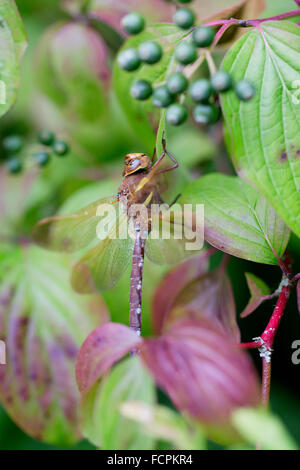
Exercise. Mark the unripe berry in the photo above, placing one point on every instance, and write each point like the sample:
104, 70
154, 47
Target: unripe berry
177, 83
203, 36
60, 148
133, 23
162, 97
42, 158
129, 59
184, 18
46, 137
186, 53
12, 144
150, 52
176, 114
13, 165
201, 90
141, 90
221, 81
244, 90
184, 1
206, 113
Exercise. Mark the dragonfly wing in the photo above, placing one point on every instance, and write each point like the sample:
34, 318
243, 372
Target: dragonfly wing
104, 264
173, 237
70, 232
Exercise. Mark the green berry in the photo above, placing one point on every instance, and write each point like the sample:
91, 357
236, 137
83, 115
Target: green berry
201, 90
203, 36
13, 165
176, 114
141, 90
129, 59
221, 81
162, 97
46, 137
133, 23
150, 52
42, 158
186, 53
184, 1
60, 148
184, 18
206, 113
12, 144
177, 83
244, 90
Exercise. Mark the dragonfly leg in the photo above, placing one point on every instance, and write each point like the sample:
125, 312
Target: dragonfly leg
165, 152
175, 200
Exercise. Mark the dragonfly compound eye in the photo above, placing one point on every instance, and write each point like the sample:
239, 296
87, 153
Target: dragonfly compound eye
134, 164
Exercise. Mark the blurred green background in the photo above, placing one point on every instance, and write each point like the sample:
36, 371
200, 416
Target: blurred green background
110, 147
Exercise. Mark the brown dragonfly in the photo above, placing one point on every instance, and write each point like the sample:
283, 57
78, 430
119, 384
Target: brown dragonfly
128, 233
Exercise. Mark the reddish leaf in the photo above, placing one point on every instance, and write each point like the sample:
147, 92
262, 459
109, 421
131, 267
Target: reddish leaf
259, 292
298, 294
172, 284
205, 374
211, 297
103, 347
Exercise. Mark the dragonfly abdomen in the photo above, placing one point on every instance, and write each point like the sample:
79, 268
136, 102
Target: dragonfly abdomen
136, 282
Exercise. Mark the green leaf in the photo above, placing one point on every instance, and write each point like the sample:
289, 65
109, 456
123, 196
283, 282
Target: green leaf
43, 323
262, 428
103, 423
259, 292
237, 218
263, 135
13, 44
161, 422
141, 115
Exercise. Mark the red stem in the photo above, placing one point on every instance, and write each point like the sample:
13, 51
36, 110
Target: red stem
255, 22
267, 338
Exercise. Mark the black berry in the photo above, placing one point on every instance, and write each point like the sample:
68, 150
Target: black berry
13, 165
184, 18
186, 53
141, 90
129, 59
206, 113
42, 158
203, 36
201, 90
162, 97
46, 137
176, 114
60, 148
221, 81
177, 83
12, 144
133, 23
244, 90
150, 52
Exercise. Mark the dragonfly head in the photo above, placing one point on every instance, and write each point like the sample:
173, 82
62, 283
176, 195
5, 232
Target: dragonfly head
135, 162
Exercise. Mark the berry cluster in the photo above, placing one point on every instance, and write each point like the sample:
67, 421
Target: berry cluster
203, 91
13, 144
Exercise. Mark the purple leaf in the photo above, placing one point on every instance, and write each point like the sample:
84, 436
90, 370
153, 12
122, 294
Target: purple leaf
210, 296
205, 374
172, 284
259, 292
298, 294
103, 347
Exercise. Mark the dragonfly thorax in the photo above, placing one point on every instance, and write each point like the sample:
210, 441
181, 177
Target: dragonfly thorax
136, 162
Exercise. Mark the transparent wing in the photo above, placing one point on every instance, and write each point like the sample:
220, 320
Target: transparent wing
71, 232
176, 234
104, 264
